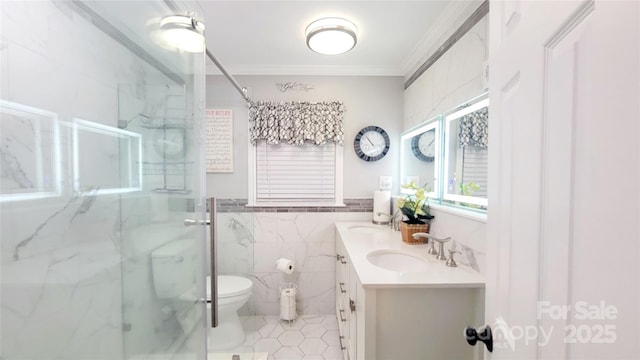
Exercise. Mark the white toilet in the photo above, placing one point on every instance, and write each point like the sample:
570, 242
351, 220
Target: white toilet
173, 268
233, 292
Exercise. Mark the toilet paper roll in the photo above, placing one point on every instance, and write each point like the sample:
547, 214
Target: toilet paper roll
285, 265
381, 206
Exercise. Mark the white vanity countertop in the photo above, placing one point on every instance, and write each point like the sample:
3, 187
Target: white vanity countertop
359, 242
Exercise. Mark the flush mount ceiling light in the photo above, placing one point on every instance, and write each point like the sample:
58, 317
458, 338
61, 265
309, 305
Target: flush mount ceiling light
331, 36
183, 32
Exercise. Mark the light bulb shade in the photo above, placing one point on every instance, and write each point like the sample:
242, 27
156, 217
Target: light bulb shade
182, 32
331, 36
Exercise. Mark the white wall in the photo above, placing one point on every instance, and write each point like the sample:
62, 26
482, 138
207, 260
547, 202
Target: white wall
369, 100
455, 78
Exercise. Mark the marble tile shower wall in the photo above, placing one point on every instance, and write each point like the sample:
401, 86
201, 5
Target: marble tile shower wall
60, 285
250, 240
75, 276
60, 271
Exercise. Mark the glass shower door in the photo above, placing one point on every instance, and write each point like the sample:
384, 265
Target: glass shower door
164, 227
100, 165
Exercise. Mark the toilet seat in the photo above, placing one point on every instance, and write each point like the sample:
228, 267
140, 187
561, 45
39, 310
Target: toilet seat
229, 286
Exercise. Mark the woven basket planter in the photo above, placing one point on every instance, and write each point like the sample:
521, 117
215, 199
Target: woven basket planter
407, 231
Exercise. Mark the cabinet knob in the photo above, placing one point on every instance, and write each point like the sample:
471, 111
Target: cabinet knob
352, 305
485, 336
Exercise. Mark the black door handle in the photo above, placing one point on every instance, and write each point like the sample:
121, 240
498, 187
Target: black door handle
485, 336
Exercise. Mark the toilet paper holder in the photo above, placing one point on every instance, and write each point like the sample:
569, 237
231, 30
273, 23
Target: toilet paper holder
288, 292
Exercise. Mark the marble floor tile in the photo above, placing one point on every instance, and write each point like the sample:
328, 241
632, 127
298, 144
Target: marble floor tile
313, 346
310, 337
291, 338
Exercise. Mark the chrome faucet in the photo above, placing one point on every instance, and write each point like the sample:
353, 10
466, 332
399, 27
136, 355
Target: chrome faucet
440, 253
432, 250
451, 262
393, 223
425, 236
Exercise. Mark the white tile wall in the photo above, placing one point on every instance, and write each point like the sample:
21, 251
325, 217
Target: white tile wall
308, 238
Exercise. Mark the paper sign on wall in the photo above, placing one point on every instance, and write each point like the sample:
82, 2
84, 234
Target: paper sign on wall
219, 138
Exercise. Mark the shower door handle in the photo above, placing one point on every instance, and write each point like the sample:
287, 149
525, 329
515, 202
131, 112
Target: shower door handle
212, 260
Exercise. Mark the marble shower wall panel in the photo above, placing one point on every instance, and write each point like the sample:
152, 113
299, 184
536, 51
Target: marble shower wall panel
61, 287
235, 236
86, 307
4, 68
61, 271
49, 45
30, 152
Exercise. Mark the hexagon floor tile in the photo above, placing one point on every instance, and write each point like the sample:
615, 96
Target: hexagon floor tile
312, 337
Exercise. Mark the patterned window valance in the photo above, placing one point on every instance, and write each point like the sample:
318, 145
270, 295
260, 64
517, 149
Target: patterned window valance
474, 129
296, 122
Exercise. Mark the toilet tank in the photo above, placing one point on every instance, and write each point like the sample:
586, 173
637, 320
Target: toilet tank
173, 268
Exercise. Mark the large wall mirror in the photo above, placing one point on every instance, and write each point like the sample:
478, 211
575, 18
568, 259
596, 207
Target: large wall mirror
466, 155
449, 154
420, 155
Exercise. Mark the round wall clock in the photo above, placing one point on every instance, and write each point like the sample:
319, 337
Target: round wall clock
371, 143
423, 145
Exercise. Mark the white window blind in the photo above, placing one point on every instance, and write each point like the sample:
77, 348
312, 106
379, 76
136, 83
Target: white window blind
474, 168
289, 173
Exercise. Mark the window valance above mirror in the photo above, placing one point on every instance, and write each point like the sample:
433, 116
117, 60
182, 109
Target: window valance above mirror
474, 129
296, 122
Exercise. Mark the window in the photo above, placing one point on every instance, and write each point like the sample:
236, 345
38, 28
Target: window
290, 175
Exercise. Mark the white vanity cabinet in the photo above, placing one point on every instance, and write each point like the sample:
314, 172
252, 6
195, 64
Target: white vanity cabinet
399, 317
345, 294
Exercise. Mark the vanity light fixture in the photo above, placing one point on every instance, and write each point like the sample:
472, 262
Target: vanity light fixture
331, 36
182, 32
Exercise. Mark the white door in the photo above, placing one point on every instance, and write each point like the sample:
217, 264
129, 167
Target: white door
564, 203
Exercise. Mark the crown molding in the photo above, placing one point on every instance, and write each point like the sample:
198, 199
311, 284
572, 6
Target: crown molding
324, 70
454, 15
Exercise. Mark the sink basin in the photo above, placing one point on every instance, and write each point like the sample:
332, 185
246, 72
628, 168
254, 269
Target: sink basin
396, 260
364, 229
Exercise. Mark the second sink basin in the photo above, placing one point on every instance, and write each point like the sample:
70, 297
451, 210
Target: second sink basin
396, 260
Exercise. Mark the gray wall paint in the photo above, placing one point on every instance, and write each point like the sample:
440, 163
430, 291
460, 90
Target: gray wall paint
369, 100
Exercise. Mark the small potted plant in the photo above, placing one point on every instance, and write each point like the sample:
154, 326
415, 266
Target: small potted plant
415, 210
